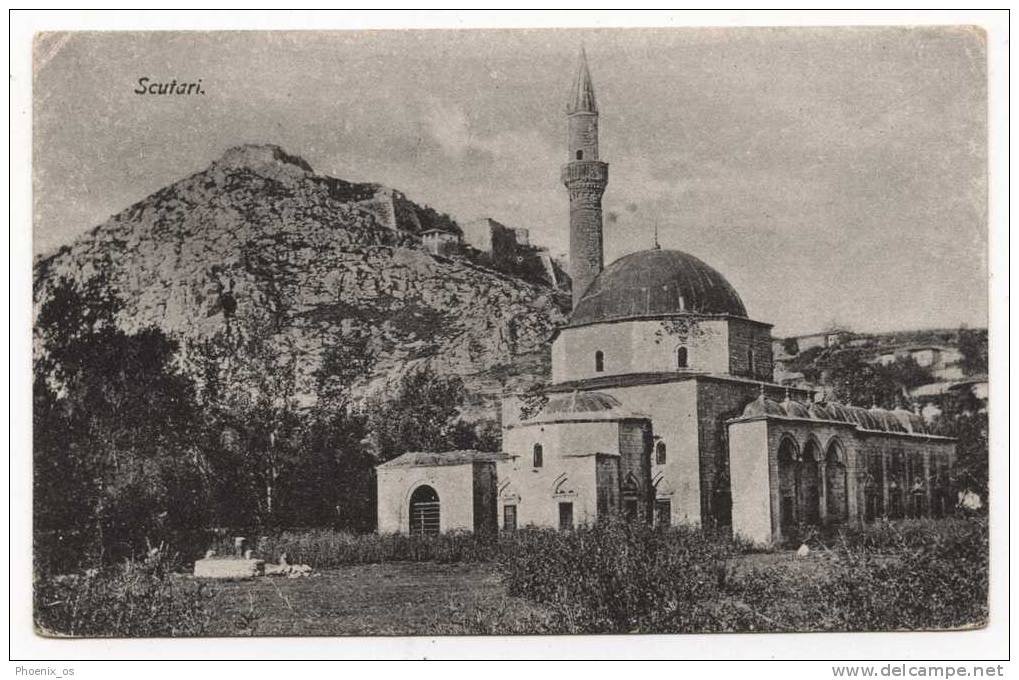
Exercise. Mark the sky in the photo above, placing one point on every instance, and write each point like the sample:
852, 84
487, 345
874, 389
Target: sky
833, 175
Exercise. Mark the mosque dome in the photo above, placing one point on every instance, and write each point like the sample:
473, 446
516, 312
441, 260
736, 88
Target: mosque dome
584, 406
762, 406
913, 422
863, 417
819, 412
582, 402
795, 409
888, 421
653, 283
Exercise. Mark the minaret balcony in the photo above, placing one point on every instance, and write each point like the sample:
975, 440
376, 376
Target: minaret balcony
595, 172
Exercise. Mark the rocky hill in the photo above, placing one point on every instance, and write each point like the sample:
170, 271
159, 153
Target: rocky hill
259, 250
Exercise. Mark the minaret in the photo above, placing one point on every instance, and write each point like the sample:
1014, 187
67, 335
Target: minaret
585, 177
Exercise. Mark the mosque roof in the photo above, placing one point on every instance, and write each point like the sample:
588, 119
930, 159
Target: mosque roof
580, 405
762, 406
873, 419
439, 458
912, 422
653, 283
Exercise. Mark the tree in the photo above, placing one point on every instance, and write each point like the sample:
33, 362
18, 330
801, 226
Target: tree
964, 418
422, 415
973, 347
856, 381
791, 346
114, 422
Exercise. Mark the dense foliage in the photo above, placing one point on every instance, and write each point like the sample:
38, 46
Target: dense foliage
854, 380
328, 548
134, 599
618, 578
611, 578
130, 451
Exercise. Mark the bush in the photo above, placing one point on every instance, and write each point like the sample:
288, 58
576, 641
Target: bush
915, 575
135, 599
327, 548
617, 577
910, 575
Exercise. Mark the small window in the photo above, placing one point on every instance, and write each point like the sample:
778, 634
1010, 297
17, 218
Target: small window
599, 361
663, 512
565, 516
660, 453
509, 518
750, 361
681, 360
538, 455
580, 155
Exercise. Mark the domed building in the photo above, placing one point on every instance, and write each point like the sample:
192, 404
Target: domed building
662, 407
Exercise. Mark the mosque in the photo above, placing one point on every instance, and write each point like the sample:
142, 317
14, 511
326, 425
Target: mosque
662, 408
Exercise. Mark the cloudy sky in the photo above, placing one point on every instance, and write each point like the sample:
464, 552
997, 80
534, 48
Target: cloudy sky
830, 174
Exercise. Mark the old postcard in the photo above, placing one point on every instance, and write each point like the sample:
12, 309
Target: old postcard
510, 332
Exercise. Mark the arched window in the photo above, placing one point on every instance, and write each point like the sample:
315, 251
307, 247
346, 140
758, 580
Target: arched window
750, 361
538, 451
580, 155
660, 453
681, 357
599, 361
424, 512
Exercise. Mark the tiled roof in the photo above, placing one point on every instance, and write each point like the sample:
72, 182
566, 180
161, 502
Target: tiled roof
437, 458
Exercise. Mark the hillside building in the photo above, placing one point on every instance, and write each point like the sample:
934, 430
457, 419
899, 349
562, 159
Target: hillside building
663, 407
440, 242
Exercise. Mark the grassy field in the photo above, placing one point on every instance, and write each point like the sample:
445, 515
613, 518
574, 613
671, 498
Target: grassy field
412, 598
395, 598
611, 578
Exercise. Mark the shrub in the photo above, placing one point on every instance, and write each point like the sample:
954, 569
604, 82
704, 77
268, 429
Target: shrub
135, 599
327, 548
913, 575
917, 574
617, 577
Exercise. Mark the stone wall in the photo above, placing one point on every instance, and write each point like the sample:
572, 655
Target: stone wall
607, 480
746, 337
486, 492
635, 464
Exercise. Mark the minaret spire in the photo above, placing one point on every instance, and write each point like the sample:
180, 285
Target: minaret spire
585, 178
582, 99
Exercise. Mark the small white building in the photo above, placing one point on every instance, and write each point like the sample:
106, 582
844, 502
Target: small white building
439, 242
431, 493
941, 361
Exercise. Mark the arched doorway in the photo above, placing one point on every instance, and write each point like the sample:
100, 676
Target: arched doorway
424, 512
836, 481
810, 483
788, 486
